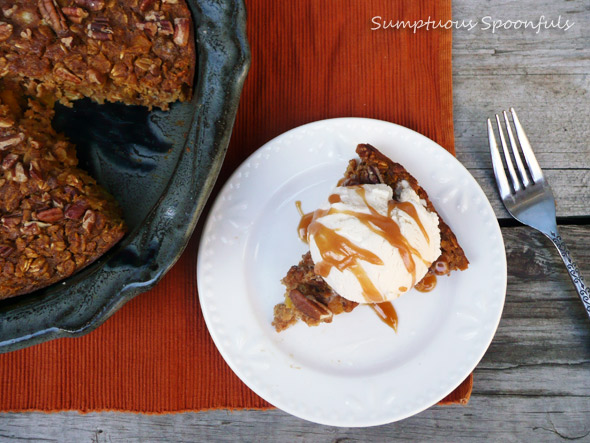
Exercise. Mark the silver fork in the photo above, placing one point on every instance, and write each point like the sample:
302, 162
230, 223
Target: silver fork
529, 198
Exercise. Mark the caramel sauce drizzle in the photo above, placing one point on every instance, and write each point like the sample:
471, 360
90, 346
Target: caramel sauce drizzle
410, 209
386, 312
339, 252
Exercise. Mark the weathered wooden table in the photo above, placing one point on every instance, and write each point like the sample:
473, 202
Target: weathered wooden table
534, 382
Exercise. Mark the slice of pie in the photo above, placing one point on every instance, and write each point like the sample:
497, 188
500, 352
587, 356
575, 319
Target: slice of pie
309, 298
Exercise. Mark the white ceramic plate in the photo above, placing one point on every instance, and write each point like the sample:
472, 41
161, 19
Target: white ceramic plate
355, 371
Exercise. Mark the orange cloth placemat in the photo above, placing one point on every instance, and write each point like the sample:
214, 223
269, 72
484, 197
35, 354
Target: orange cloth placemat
311, 60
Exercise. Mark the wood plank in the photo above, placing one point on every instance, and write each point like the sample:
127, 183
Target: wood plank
487, 418
545, 76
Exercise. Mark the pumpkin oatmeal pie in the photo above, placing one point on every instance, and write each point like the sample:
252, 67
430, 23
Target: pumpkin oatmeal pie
308, 297
54, 218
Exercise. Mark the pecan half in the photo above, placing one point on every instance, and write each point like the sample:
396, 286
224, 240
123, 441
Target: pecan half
150, 27
310, 307
50, 215
145, 5
67, 41
35, 171
20, 175
181, 31
10, 222
76, 15
30, 228
93, 5
52, 14
5, 31
66, 75
89, 220
99, 29
57, 202
6, 250
10, 140
70, 191
154, 16
9, 161
75, 210
165, 27
7, 12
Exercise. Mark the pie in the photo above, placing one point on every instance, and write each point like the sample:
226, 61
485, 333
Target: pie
54, 218
309, 298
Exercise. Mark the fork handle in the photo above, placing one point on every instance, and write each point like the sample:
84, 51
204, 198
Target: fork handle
573, 270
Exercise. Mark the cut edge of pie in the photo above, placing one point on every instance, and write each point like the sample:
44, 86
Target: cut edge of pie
308, 297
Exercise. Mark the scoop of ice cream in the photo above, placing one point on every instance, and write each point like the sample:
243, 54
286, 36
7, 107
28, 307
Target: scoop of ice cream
370, 247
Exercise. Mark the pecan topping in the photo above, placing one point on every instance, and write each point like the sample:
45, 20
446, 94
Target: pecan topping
5, 31
20, 175
10, 222
165, 27
26, 34
30, 228
99, 29
36, 223
66, 75
50, 215
6, 122
150, 27
75, 210
6, 250
10, 140
35, 171
181, 31
67, 41
9, 11
144, 5
93, 5
310, 307
34, 144
9, 161
76, 15
89, 220
94, 76
70, 191
154, 16
53, 16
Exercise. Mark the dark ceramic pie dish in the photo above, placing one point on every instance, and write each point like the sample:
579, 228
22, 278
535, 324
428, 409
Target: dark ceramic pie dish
161, 167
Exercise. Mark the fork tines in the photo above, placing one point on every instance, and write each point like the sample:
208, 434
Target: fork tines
521, 180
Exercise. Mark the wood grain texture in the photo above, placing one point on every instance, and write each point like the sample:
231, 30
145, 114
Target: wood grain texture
533, 383
545, 76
